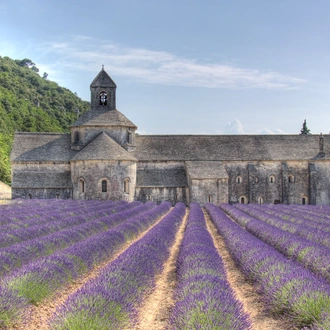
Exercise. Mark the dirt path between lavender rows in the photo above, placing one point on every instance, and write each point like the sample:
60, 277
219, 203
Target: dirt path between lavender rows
36, 317
155, 311
244, 291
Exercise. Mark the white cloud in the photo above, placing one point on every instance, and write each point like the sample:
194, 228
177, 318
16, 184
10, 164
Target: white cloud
159, 67
236, 127
267, 131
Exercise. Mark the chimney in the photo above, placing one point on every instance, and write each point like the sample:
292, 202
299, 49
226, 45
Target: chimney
321, 144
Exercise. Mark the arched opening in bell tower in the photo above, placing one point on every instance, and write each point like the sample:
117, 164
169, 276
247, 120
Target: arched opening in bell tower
103, 98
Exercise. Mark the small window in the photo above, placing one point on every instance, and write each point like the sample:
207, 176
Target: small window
272, 179
304, 201
81, 186
103, 98
29, 196
256, 180
260, 200
209, 199
242, 200
238, 179
126, 186
175, 197
291, 178
104, 186
149, 198
57, 196
76, 137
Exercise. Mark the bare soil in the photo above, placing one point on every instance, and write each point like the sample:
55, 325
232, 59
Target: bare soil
36, 317
155, 311
244, 291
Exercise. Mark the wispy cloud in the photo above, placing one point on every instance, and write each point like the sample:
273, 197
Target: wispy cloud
160, 67
235, 127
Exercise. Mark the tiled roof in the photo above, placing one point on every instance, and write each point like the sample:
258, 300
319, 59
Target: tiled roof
40, 179
103, 117
103, 147
172, 177
42, 147
103, 80
229, 147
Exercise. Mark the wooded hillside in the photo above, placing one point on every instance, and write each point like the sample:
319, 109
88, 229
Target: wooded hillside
31, 103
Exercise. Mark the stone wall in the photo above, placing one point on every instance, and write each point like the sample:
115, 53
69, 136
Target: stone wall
209, 191
162, 181
162, 194
41, 180
320, 183
94, 172
269, 182
46, 193
5, 191
87, 134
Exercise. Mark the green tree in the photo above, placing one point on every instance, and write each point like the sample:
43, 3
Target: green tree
305, 130
30, 103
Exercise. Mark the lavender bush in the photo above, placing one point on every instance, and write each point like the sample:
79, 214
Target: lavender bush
110, 301
312, 255
203, 296
287, 287
9, 237
22, 253
40, 279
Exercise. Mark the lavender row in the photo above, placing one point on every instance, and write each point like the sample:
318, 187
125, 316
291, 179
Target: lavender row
24, 214
29, 219
22, 253
316, 235
25, 210
203, 296
10, 237
42, 278
320, 210
297, 217
312, 255
111, 300
287, 287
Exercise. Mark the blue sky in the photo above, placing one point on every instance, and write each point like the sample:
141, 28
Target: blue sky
185, 66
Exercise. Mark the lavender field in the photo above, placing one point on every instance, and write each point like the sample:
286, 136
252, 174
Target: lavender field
95, 265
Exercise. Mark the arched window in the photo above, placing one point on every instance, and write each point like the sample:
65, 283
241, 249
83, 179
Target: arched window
238, 179
57, 196
304, 201
29, 196
242, 200
76, 137
272, 179
81, 186
104, 186
260, 200
103, 98
126, 186
291, 178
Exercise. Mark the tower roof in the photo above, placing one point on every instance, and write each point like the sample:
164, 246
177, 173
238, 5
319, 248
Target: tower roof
103, 147
103, 80
103, 118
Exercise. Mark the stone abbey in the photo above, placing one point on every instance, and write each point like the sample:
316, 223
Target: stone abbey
103, 158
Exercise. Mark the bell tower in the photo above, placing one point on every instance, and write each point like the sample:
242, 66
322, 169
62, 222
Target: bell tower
103, 92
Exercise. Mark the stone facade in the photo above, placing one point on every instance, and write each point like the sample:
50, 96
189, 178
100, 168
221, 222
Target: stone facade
103, 158
5, 191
